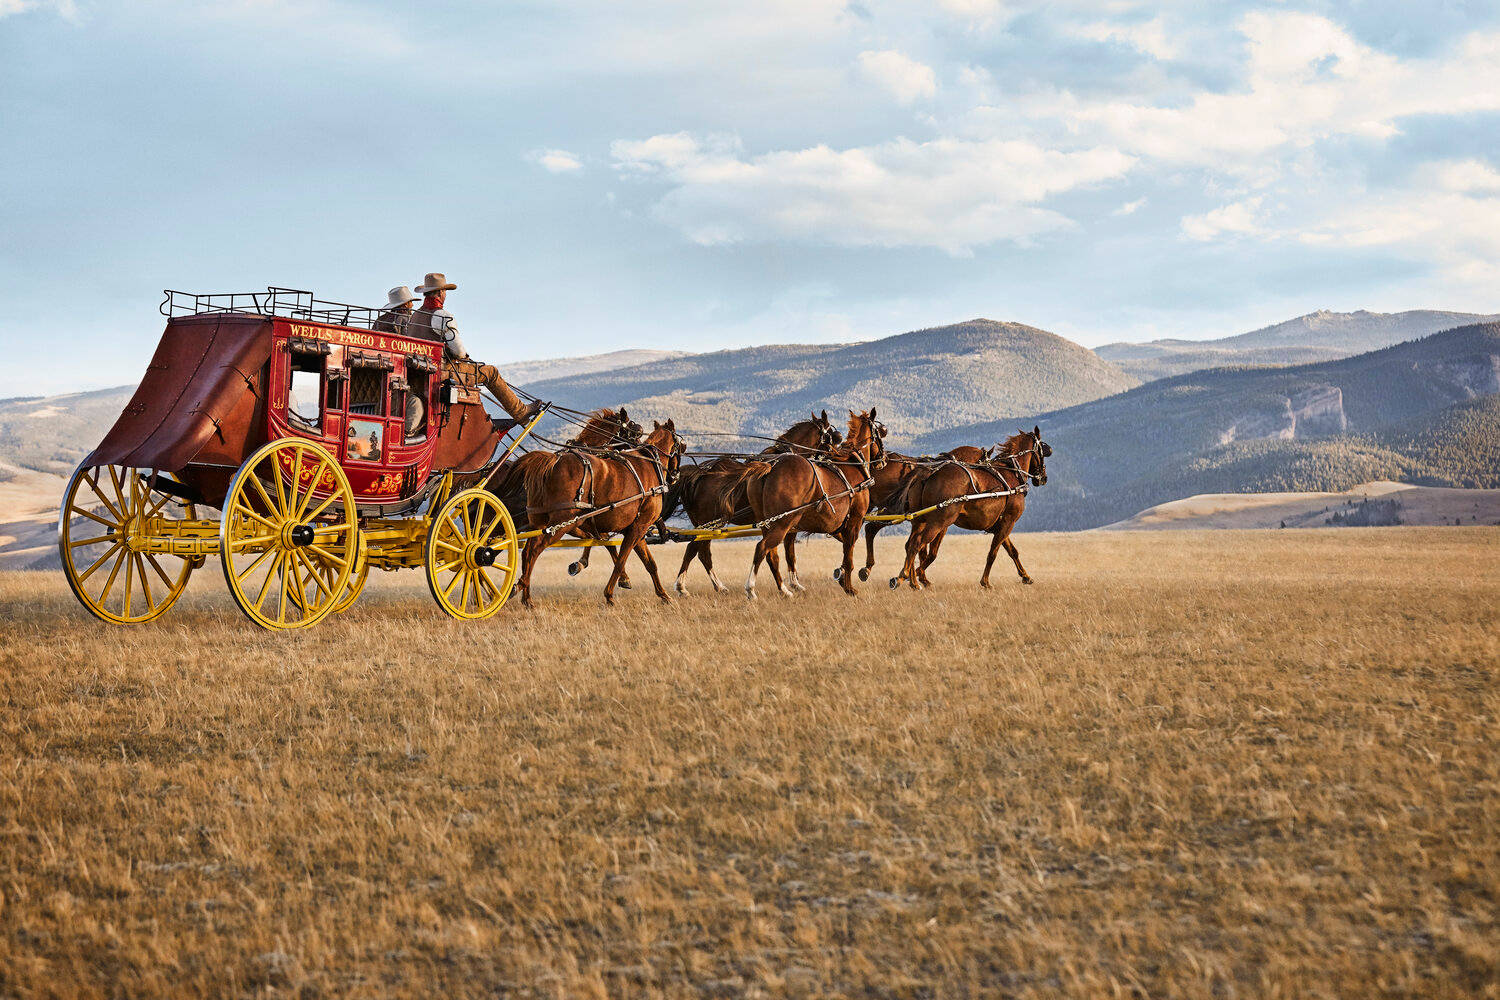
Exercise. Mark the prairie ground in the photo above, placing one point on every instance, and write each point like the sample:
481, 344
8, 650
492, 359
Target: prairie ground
1211, 764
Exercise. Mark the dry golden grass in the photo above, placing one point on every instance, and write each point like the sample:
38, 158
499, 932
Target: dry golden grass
1182, 764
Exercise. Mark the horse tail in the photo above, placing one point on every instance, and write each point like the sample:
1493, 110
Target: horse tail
736, 487
896, 503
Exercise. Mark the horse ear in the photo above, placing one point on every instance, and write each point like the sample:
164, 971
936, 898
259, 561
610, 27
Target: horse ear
1037, 430
872, 413
853, 415
623, 414
825, 416
671, 426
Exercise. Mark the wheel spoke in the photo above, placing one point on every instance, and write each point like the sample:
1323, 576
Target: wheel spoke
316, 576
484, 579
327, 557
93, 541
266, 584
451, 548
129, 573
260, 488
321, 507
463, 593
448, 590
240, 508
99, 494
113, 573
246, 544
282, 507
240, 576
119, 494
159, 571
281, 608
445, 567
98, 562
151, 512
94, 517
140, 571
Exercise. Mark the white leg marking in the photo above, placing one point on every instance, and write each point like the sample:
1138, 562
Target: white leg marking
750, 585
719, 586
680, 588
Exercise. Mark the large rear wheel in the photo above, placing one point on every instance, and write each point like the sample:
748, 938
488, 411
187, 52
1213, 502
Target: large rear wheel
473, 556
290, 534
107, 513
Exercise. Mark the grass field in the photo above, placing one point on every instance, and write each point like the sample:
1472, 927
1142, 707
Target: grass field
1211, 764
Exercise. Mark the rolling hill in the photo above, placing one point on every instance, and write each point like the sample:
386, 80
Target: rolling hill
920, 381
1422, 412
1318, 336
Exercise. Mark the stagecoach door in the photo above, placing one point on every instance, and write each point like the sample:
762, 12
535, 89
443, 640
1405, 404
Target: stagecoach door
374, 424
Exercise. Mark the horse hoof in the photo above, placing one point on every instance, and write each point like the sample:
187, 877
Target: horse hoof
682, 590
838, 572
864, 575
624, 584
895, 583
574, 568
1026, 579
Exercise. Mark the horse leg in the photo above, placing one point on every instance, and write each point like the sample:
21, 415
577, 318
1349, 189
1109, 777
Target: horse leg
582, 562
649, 561
1015, 557
872, 528
529, 555
773, 560
913, 546
790, 544
706, 557
846, 578
760, 553
622, 555
995, 540
929, 555
687, 558
632, 535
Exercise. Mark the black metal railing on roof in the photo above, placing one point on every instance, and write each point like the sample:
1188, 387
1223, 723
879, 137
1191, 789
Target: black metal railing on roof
290, 303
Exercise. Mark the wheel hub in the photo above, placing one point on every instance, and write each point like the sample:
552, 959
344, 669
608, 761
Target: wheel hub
296, 535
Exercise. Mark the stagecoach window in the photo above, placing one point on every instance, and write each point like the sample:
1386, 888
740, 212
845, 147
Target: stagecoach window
366, 391
304, 393
415, 404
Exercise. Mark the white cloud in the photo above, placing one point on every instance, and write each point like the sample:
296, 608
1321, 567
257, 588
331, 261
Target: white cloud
556, 161
1306, 79
947, 193
66, 9
1239, 218
906, 79
1149, 37
1130, 207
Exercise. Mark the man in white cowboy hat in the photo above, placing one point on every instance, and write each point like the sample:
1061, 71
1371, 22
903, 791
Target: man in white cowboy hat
436, 323
397, 312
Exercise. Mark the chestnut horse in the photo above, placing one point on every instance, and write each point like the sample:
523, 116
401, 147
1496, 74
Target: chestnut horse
1021, 460
605, 428
892, 482
714, 493
825, 495
620, 490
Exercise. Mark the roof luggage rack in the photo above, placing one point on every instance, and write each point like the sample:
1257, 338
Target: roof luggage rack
290, 303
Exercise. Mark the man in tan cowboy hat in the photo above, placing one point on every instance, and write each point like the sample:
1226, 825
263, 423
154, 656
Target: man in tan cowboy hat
434, 322
397, 312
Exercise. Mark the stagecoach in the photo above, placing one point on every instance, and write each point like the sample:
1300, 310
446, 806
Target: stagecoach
327, 446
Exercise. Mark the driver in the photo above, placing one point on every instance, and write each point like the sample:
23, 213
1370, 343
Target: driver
434, 322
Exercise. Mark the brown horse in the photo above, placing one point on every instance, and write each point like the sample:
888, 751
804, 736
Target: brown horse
824, 495
891, 483
714, 493
605, 428
621, 491
1021, 461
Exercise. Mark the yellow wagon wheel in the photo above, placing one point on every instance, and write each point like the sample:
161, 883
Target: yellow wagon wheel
108, 513
289, 535
473, 557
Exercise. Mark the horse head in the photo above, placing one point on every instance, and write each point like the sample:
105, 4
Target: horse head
668, 445
1028, 453
829, 436
867, 436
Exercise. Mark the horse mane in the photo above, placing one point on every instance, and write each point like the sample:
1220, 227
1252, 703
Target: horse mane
602, 427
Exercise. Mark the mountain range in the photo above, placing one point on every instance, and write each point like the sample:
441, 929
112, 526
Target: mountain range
1424, 411
1318, 336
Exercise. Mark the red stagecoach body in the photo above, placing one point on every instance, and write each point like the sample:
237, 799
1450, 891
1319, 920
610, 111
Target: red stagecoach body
221, 384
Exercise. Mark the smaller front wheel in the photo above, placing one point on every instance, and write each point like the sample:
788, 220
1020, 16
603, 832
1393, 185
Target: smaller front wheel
473, 556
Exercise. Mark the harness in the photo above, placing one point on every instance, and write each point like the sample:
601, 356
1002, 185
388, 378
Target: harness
593, 510
825, 497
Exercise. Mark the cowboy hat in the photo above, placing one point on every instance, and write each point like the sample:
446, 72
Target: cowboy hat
399, 296
435, 281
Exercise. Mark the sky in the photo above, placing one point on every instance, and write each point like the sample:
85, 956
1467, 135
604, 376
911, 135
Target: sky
600, 174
